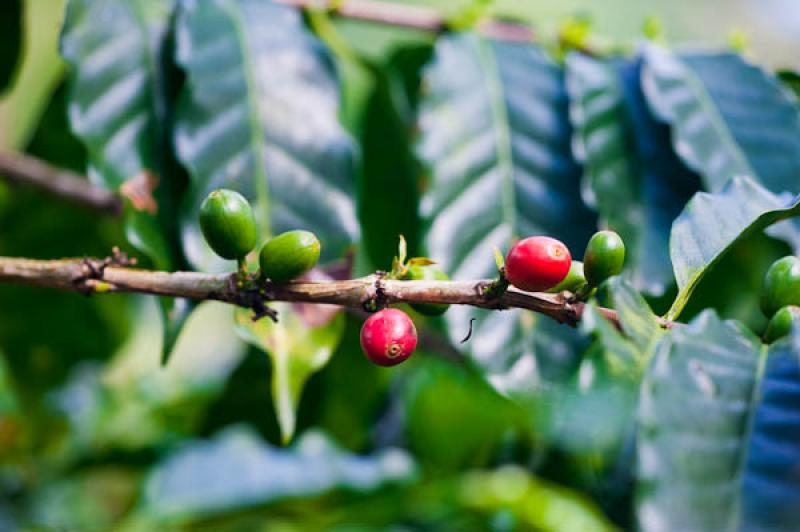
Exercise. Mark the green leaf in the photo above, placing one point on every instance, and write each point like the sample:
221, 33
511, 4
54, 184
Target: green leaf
590, 416
298, 345
237, 470
712, 223
495, 136
119, 108
771, 483
538, 504
695, 420
603, 142
632, 177
437, 396
627, 351
622, 356
722, 111
258, 114
639, 324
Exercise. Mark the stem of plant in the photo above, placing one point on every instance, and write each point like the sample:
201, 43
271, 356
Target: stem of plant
87, 276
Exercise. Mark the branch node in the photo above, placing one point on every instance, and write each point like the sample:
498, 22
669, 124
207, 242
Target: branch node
94, 269
251, 296
571, 313
492, 291
379, 300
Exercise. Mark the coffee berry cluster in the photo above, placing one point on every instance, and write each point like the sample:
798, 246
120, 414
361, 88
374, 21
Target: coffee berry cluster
780, 297
388, 336
229, 227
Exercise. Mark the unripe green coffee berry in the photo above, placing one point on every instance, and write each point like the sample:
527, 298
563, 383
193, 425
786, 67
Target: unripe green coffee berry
289, 255
604, 257
781, 285
574, 281
228, 224
781, 323
427, 273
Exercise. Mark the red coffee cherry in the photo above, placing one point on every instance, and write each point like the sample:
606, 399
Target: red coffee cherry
537, 263
388, 337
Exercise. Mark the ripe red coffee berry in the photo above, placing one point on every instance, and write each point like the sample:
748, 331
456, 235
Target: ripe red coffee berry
388, 337
537, 263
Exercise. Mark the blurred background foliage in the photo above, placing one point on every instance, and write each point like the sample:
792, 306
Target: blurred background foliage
96, 434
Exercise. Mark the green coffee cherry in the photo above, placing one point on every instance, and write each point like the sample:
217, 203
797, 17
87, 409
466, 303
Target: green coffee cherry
228, 224
781, 285
781, 323
604, 257
289, 255
574, 281
427, 273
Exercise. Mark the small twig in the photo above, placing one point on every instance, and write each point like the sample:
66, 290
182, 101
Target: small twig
411, 16
26, 170
93, 269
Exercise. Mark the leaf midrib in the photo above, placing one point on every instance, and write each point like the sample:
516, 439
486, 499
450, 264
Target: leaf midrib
505, 159
257, 138
159, 133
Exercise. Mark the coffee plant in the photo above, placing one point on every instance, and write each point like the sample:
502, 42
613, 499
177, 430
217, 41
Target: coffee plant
489, 280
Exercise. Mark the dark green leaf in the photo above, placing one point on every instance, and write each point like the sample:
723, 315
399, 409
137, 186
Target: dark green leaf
119, 107
627, 351
712, 223
591, 416
729, 118
237, 470
771, 484
639, 324
496, 138
622, 355
695, 412
719, 425
632, 176
603, 142
437, 399
259, 115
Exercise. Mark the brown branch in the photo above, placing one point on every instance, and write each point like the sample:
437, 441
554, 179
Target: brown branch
26, 170
102, 276
410, 16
